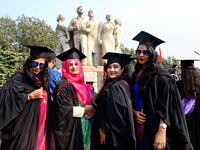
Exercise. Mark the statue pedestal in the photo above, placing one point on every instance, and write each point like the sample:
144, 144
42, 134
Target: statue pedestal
94, 76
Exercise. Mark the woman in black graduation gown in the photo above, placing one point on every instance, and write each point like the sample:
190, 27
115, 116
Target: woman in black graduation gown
189, 88
23, 104
157, 105
113, 123
72, 98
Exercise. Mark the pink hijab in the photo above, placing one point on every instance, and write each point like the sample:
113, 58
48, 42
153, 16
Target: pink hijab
83, 90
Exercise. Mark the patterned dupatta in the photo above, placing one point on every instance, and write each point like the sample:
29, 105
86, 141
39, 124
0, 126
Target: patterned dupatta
42, 139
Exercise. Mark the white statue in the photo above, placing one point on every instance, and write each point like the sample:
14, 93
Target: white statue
93, 46
117, 35
79, 26
64, 37
106, 36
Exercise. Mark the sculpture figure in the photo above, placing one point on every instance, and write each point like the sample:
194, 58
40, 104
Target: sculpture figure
64, 37
106, 36
117, 35
79, 26
93, 46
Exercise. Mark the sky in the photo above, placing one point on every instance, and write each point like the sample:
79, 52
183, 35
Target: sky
177, 22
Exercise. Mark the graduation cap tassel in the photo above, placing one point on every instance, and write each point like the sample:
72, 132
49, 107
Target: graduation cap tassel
104, 74
160, 59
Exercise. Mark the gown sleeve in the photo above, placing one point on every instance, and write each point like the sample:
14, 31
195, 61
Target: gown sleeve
170, 108
116, 119
13, 97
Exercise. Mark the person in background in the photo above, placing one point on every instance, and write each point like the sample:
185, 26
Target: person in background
55, 76
176, 71
71, 124
158, 110
113, 124
189, 88
24, 104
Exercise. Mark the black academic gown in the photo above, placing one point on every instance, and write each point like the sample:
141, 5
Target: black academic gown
114, 115
193, 119
19, 118
162, 100
66, 131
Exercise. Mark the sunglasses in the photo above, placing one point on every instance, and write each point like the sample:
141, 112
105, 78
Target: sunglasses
35, 64
145, 52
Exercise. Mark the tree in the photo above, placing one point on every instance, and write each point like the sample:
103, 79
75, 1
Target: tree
125, 50
14, 34
9, 64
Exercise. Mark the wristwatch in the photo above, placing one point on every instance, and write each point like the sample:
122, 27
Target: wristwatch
164, 126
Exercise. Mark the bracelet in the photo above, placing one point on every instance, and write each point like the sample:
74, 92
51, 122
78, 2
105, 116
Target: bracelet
32, 96
101, 131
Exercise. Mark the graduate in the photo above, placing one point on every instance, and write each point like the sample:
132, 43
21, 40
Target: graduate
158, 110
113, 124
189, 88
24, 103
71, 124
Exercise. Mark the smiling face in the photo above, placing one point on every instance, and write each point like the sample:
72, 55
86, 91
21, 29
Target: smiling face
143, 59
73, 69
114, 70
37, 65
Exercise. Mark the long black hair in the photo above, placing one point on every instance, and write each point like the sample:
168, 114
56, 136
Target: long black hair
107, 82
44, 74
191, 82
149, 69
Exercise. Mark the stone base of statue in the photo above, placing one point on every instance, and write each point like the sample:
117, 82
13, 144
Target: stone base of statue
93, 75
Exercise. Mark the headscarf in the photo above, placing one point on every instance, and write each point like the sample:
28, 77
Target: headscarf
83, 90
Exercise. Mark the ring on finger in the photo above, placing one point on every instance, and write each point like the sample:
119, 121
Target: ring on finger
159, 146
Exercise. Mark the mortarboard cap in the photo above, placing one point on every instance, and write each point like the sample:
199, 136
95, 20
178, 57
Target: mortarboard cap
187, 63
71, 54
40, 51
116, 57
144, 37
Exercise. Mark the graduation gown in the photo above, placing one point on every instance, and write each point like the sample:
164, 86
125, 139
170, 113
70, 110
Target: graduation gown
19, 118
114, 115
193, 119
161, 99
66, 131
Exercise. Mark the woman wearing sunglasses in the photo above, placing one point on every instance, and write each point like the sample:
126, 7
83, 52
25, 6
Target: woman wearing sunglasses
23, 104
113, 124
157, 105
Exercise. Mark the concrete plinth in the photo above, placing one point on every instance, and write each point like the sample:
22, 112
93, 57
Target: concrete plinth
94, 75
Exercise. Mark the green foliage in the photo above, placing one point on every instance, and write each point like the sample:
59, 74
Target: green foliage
9, 64
125, 50
169, 62
14, 34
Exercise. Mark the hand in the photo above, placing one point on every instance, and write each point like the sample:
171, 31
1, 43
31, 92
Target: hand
160, 139
89, 110
102, 138
67, 40
140, 117
88, 26
83, 28
38, 93
75, 27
